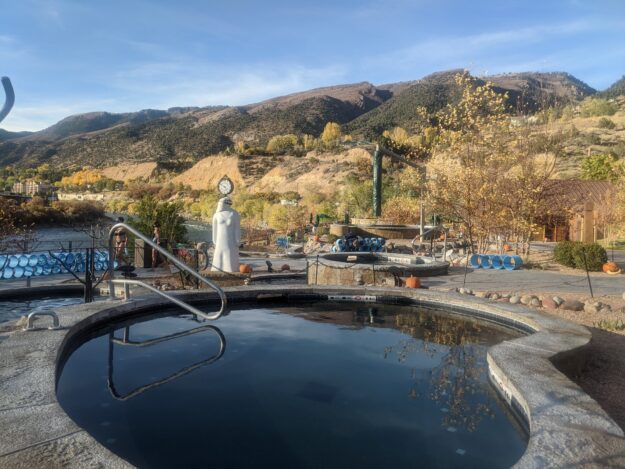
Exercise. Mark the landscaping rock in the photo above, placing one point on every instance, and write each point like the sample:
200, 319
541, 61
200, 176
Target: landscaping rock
481, 294
591, 308
557, 300
495, 296
605, 310
573, 305
515, 299
535, 302
549, 303
525, 299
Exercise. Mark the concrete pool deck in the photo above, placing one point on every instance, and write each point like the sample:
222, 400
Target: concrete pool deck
567, 427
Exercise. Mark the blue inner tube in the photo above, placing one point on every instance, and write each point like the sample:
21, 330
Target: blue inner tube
18, 272
13, 262
485, 261
496, 261
512, 262
474, 261
7, 273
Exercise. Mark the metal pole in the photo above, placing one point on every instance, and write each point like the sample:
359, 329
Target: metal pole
422, 209
377, 182
587, 274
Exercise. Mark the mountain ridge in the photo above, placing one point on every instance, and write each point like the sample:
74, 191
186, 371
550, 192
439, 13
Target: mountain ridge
103, 139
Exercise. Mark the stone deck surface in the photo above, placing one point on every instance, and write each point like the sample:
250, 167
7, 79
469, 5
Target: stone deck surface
567, 427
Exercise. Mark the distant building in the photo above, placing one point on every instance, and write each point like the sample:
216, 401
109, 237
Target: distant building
33, 188
574, 211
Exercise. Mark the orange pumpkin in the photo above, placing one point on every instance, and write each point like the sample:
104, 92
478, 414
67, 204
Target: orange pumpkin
610, 267
413, 282
245, 269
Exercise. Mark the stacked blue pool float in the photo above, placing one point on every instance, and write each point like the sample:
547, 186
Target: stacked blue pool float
37, 264
493, 261
358, 244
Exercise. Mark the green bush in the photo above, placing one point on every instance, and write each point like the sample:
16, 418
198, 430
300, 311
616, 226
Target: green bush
605, 123
571, 254
596, 256
563, 253
598, 107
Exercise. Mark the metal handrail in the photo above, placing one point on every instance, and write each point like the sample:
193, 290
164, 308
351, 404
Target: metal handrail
170, 257
171, 298
421, 239
31, 317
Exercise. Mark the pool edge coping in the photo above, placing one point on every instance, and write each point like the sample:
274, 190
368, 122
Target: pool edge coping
567, 427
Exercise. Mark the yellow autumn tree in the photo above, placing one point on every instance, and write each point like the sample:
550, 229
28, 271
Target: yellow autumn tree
82, 178
485, 175
331, 135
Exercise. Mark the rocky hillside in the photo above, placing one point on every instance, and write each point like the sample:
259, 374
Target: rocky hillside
188, 134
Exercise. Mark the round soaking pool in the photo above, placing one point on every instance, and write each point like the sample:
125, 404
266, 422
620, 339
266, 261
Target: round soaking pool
320, 385
358, 268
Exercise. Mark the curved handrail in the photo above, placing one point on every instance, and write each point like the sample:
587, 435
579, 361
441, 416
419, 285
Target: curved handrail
178, 374
10, 97
174, 300
170, 257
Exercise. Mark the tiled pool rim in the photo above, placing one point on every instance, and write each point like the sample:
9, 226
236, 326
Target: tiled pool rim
567, 427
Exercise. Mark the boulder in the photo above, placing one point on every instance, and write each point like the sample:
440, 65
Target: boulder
495, 296
535, 302
481, 294
558, 300
525, 299
549, 303
572, 305
515, 299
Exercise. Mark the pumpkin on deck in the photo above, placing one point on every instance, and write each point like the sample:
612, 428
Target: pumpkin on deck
245, 269
610, 267
413, 282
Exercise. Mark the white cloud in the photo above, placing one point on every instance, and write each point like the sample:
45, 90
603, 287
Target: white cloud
455, 51
167, 84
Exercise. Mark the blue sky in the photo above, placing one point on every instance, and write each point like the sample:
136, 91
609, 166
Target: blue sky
70, 56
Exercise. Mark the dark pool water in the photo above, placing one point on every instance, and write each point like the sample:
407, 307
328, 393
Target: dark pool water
319, 386
14, 309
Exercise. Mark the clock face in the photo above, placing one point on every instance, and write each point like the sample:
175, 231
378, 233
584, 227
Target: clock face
225, 186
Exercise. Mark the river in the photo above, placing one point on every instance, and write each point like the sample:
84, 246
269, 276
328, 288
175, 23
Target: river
60, 238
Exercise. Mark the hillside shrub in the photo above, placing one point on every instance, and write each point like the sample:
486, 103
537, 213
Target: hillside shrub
605, 123
571, 254
598, 107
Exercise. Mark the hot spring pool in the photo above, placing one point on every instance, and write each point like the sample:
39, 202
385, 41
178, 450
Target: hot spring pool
322, 385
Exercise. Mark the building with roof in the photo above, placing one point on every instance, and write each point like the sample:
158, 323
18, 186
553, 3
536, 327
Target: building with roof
573, 210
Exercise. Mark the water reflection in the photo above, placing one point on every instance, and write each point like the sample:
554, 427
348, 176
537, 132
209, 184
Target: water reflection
456, 342
127, 341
